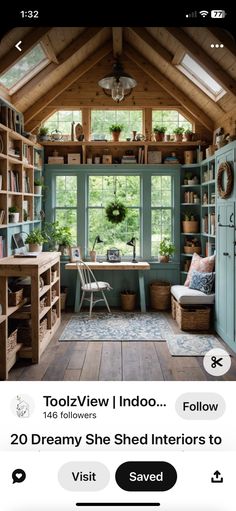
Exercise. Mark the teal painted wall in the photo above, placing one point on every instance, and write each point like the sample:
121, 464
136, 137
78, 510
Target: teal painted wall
165, 272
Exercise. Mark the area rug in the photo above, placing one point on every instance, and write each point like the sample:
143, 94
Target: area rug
128, 326
191, 345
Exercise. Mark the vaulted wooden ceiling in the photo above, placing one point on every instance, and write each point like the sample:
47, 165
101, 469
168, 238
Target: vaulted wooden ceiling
79, 57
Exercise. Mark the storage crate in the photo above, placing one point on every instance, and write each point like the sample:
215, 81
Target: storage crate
73, 159
12, 341
15, 297
191, 317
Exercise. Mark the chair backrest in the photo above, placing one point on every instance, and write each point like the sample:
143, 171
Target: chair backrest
85, 273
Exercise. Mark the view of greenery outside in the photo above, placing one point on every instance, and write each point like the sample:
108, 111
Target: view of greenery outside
101, 193
66, 203
171, 119
23, 67
102, 119
162, 211
62, 119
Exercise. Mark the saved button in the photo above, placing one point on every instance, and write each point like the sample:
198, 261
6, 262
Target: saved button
146, 476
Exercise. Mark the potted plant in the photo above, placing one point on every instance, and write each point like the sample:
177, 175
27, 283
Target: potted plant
188, 135
38, 185
116, 129
59, 237
166, 250
159, 133
14, 214
35, 240
190, 223
188, 178
179, 134
43, 133
192, 245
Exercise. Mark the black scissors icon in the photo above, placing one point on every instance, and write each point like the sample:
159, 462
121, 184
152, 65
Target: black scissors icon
216, 362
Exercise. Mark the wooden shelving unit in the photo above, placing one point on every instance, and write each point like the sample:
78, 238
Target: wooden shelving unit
92, 149
21, 161
44, 265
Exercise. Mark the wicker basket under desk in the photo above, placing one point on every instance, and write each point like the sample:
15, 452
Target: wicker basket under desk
194, 317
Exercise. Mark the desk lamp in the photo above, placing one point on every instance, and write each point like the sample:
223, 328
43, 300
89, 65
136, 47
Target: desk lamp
132, 243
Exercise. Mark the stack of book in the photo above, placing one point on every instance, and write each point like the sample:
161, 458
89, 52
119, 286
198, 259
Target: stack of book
128, 158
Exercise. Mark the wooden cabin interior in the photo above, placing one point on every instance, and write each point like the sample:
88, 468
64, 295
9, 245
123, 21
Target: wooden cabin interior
132, 178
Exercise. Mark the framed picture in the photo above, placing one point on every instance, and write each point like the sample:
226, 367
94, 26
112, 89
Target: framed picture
75, 254
113, 255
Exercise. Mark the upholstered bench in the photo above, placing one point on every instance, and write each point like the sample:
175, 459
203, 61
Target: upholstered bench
191, 308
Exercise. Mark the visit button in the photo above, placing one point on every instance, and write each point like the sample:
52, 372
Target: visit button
146, 476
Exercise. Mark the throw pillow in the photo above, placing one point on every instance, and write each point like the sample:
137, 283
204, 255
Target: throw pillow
202, 264
203, 282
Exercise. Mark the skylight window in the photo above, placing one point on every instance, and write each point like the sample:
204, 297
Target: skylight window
200, 77
24, 69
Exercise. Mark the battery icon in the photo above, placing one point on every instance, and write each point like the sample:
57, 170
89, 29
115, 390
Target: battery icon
218, 14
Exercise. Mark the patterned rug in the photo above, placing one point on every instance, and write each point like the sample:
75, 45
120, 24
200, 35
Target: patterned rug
192, 345
118, 326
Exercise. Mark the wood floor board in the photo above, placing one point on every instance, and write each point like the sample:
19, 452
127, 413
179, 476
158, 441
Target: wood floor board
111, 362
114, 361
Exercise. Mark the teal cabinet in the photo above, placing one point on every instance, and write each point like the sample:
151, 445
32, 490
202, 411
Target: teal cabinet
225, 317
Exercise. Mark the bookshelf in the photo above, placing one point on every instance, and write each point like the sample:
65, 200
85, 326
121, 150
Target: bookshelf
208, 206
21, 161
37, 314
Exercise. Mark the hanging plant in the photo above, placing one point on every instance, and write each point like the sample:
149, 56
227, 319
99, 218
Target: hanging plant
116, 212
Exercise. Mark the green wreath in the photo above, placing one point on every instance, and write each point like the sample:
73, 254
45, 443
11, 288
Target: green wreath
116, 212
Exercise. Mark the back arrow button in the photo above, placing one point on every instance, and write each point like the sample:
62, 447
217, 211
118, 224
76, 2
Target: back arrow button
17, 45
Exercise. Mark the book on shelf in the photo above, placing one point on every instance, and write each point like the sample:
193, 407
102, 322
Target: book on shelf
210, 248
1, 247
0, 181
2, 216
26, 183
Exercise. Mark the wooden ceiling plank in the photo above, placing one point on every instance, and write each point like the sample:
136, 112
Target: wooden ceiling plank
169, 86
49, 50
30, 40
66, 82
193, 49
76, 45
223, 37
117, 41
152, 42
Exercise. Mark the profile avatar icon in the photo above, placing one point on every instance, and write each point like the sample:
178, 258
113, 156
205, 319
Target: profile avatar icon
22, 408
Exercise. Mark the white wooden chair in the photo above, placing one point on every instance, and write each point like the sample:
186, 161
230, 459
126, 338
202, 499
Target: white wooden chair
89, 285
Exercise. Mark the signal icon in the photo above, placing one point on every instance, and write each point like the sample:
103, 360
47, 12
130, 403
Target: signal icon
191, 15
204, 13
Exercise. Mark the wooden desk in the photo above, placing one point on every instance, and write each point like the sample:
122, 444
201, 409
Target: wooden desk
123, 266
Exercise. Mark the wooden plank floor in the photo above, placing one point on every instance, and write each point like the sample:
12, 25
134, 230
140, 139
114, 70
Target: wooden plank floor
113, 361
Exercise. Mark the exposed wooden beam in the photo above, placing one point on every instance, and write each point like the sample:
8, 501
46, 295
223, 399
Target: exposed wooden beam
78, 44
117, 41
168, 86
30, 40
37, 122
225, 38
49, 50
66, 82
147, 38
212, 67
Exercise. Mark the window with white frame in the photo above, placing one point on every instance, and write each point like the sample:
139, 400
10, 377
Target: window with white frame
62, 120
162, 210
102, 191
66, 203
101, 120
26, 67
170, 119
198, 75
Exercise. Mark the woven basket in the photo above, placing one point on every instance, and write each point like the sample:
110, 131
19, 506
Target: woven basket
42, 304
43, 329
160, 295
193, 318
191, 250
12, 341
128, 301
173, 307
15, 297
